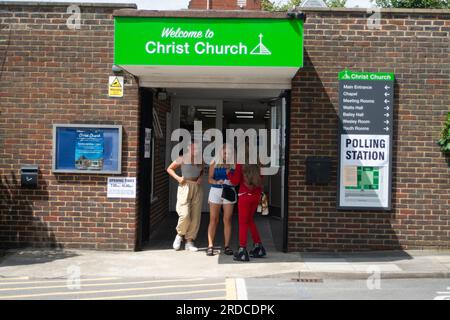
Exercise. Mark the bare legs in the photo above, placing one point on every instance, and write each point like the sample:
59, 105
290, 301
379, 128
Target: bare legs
214, 210
227, 216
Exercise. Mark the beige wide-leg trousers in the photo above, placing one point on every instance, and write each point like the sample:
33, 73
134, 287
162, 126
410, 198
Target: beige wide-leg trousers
189, 209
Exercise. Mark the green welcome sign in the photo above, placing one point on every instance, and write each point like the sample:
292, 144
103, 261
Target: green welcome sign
171, 41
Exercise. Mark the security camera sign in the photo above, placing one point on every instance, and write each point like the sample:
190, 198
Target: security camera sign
365, 140
115, 87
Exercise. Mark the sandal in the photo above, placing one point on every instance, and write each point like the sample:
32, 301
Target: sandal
210, 251
227, 251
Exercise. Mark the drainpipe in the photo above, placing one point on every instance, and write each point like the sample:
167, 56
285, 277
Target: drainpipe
208, 4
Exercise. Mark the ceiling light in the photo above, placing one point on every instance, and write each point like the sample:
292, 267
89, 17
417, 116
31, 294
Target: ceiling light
244, 112
244, 117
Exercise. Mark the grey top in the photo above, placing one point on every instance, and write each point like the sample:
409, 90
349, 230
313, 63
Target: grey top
190, 171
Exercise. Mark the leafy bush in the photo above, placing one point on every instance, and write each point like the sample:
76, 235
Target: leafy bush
444, 141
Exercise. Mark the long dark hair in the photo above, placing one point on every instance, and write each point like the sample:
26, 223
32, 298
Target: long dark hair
252, 175
251, 172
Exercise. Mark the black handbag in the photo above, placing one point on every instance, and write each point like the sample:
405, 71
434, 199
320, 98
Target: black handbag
229, 193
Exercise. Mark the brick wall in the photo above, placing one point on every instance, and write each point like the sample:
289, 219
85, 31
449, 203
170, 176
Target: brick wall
50, 74
224, 5
416, 47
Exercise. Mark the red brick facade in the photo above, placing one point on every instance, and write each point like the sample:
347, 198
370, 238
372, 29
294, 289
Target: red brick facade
224, 5
50, 74
415, 47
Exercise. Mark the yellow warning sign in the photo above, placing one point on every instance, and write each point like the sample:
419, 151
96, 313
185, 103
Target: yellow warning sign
116, 83
115, 87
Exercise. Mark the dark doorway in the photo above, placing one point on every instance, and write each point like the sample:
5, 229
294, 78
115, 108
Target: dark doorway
145, 167
270, 110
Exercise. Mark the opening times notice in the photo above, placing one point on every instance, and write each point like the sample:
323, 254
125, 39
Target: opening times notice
366, 102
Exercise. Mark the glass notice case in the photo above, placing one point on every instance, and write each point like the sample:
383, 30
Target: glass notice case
80, 148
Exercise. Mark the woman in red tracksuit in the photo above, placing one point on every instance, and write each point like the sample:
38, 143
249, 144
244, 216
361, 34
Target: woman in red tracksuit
250, 182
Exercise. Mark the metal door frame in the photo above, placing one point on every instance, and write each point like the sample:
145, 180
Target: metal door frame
286, 114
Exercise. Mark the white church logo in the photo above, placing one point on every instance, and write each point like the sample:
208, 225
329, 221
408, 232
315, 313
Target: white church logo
261, 49
346, 75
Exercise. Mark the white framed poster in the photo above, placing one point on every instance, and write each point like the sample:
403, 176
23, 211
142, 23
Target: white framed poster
119, 187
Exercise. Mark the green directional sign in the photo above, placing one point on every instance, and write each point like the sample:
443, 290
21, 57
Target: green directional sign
171, 41
366, 124
370, 76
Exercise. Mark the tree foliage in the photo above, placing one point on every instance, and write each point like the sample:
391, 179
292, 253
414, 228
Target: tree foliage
273, 5
336, 3
426, 4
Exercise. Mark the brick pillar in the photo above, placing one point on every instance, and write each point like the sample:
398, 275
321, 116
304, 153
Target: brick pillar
225, 4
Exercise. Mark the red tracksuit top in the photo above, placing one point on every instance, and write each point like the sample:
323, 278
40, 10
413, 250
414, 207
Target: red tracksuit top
237, 178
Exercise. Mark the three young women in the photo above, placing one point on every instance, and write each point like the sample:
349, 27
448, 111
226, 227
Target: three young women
221, 176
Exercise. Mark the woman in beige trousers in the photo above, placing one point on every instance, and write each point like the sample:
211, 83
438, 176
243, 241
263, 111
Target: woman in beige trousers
189, 198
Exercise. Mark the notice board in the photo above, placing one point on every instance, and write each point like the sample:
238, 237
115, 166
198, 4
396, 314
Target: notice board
87, 148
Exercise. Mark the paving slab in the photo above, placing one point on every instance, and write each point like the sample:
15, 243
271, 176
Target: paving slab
369, 268
171, 264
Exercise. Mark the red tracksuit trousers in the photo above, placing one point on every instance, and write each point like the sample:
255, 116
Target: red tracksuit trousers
247, 206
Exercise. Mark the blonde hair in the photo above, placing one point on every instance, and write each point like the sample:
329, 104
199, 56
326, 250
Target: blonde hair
219, 161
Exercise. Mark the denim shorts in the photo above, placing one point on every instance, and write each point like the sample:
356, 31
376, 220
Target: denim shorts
215, 197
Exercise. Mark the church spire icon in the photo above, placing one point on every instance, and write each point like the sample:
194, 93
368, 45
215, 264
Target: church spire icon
261, 49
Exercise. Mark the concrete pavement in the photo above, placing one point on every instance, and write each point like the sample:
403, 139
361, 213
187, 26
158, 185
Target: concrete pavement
166, 274
168, 264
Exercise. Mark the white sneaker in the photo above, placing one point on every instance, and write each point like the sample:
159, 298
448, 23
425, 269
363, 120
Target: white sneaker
190, 247
177, 242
